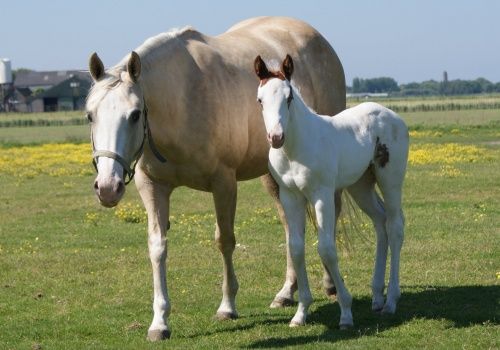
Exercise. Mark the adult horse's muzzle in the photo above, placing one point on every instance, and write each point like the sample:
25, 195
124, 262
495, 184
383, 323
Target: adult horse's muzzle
109, 190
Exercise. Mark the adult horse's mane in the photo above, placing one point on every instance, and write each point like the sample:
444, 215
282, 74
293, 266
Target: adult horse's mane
152, 48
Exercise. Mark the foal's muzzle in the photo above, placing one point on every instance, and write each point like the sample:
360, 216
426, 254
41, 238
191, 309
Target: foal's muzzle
276, 140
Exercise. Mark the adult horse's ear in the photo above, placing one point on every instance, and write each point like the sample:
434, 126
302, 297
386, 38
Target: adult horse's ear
134, 66
287, 67
260, 68
96, 67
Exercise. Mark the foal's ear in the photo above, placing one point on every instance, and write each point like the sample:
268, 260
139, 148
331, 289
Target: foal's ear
96, 67
287, 67
134, 66
260, 68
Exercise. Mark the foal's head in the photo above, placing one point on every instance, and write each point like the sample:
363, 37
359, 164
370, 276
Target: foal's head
275, 95
115, 110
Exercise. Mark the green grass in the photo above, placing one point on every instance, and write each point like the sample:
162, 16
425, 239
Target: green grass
66, 115
75, 276
44, 134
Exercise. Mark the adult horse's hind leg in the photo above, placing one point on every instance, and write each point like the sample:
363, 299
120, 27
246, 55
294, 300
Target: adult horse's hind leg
224, 189
156, 200
285, 295
364, 194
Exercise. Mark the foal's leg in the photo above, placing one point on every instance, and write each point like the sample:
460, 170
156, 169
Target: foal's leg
364, 194
294, 205
328, 284
395, 232
285, 295
324, 204
156, 200
224, 190
390, 181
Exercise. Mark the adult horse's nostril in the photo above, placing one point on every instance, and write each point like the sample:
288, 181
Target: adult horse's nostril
96, 185
120, 187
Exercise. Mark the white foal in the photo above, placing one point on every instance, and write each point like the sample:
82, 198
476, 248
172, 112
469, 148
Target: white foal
312, 156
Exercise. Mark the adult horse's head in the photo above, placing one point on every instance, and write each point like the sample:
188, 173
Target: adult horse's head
275, 95
117, 115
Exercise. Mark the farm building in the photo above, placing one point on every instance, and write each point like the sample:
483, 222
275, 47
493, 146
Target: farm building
49, 91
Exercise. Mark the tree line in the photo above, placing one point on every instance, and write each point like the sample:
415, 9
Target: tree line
425, 88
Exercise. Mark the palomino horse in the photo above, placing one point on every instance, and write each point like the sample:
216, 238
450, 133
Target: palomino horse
312, 156
206, 126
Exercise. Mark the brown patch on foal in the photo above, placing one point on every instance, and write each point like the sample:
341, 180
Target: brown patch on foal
381, 153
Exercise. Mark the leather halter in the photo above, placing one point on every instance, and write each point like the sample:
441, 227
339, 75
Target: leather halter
128, 169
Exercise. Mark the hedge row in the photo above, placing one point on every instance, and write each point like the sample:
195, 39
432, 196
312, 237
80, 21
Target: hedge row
452, 106
41, 122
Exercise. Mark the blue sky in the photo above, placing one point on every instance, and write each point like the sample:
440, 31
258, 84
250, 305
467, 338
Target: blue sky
409, 40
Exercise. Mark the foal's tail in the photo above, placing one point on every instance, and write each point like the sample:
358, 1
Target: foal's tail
349, 223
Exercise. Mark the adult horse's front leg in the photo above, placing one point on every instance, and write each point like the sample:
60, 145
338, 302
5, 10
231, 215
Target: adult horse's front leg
224, 190
156, 200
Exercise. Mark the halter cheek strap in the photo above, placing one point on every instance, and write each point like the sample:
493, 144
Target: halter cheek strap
128, 170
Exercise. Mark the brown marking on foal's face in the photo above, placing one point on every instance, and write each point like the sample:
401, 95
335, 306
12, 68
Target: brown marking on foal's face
272, 75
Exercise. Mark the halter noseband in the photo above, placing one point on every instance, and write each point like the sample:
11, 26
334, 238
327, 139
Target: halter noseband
128, 169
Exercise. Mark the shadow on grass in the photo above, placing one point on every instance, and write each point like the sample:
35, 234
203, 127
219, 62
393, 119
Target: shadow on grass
463, 306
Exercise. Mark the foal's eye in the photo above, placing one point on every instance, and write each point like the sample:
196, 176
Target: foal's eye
89, 117
135, 115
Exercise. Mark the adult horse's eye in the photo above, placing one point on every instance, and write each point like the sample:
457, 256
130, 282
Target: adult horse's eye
135, 115
89, 117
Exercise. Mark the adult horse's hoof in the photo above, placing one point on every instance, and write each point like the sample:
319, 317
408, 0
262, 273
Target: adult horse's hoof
331, 293
223, 316
279, 302
158, 334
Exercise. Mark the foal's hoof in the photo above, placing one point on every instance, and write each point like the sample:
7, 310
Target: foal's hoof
389, 309
281, 302
294, 324
158, 334
223, 316
345, 327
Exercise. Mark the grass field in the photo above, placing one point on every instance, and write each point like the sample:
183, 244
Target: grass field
76, 276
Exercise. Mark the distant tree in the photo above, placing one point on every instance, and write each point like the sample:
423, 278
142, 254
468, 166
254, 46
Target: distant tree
486, 85
382, 84
356, 85
425, 88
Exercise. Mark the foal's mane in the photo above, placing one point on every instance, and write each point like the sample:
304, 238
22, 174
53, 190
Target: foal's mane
298, 97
